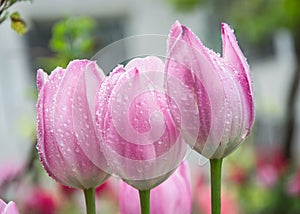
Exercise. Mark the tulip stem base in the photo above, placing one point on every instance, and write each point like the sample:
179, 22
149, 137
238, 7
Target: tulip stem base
145, 201
89, 195
216, 174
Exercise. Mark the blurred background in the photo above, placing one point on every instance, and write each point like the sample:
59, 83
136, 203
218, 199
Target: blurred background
262, 176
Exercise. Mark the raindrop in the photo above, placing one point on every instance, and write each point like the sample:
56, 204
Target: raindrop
202, 161
139, 168
77, 150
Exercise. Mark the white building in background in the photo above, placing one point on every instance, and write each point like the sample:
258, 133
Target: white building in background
17, 109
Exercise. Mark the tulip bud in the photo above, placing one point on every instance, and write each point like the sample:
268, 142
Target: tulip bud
67, 144
172, 196
222, 89
140, 139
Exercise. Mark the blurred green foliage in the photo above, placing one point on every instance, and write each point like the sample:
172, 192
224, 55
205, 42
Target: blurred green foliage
72, 38
17, 23
259, 19
184, 5
256, 19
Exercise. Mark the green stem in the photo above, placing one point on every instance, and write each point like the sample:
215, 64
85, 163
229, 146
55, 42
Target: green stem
89, 195
215, 174
145, 201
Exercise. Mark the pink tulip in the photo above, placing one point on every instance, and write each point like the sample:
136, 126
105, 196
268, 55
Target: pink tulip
9, 208
172, 196
222, 89
141, 141
67, 144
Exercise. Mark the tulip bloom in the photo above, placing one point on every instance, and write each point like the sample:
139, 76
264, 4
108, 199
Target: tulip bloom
172, 196
9, 208
140, 139
222, 89
67, 144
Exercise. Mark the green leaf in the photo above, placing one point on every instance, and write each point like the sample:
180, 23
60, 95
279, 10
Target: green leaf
73, 37
17, 23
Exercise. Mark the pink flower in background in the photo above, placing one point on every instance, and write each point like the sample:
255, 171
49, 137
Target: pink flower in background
40, 201
67, 144
140, 139
172, 196
9, 208
222, 89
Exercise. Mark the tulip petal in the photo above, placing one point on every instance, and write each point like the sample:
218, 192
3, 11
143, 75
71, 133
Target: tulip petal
234, 113
11, 208
2, 205
102, 118
94, 77
186, 49
233, 55
83, 171
103, 96
50, 156
41, 78
83, 104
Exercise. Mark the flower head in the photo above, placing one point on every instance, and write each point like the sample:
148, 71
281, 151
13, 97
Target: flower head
172, 196
140, 139
67, 144
221, 86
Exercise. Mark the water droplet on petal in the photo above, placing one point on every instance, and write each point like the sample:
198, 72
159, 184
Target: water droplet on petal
77, 150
